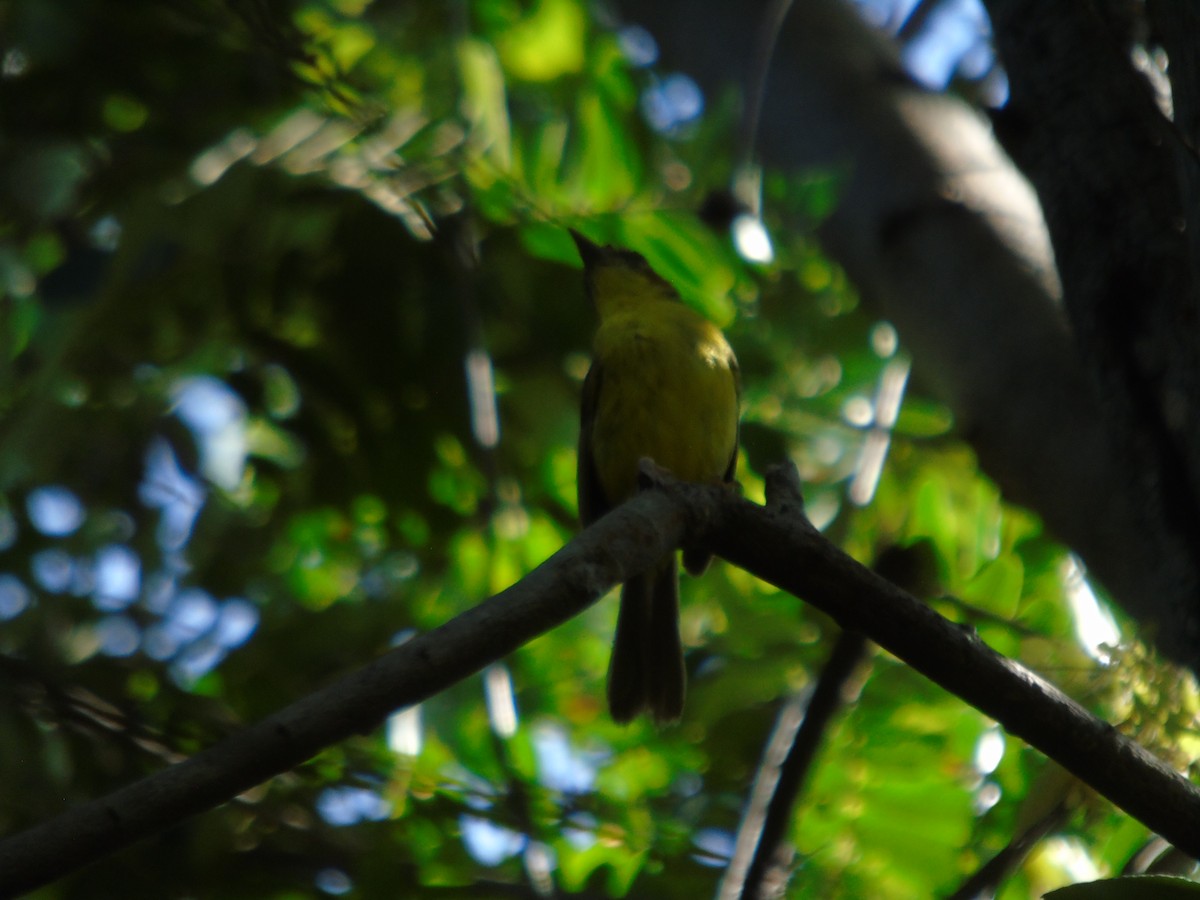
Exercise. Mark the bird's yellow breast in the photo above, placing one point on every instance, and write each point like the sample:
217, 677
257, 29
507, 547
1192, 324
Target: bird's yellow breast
668, 391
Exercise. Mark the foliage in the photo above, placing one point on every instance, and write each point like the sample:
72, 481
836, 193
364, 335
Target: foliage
270, 273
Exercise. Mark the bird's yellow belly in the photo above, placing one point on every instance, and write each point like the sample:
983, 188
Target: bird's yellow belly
674, 401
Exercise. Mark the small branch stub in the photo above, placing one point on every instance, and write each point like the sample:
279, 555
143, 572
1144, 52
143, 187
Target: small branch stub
784, 493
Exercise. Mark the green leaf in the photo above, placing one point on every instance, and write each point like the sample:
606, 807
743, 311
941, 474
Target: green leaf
997, 587
921, 418
603, 162
546, 44
1137, 887
484, 102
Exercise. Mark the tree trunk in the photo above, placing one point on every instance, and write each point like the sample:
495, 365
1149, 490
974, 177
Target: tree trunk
945, 238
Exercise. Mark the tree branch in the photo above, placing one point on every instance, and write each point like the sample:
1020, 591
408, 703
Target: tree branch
986, 880
776, 543
623, 543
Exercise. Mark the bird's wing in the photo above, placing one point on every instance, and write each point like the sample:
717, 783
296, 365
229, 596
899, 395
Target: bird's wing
731, 469
592, 502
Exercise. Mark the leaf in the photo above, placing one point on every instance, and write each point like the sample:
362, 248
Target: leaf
691, 257
922, 418
604, 163
1137, 887
547, 44
997, 586
484, 102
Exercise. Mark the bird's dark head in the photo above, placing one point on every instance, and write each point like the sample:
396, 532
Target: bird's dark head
617, 271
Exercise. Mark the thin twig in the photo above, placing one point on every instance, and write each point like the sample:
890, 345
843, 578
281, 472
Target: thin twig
799, 733
991, 875
756, 81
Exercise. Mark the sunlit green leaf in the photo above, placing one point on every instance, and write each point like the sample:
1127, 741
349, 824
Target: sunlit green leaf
997, 587
546, 44
484, 102
604, 169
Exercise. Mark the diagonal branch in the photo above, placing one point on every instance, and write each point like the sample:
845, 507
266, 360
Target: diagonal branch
623, 543
775, 543
986, 880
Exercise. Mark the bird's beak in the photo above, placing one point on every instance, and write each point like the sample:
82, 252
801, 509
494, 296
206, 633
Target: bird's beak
589, 252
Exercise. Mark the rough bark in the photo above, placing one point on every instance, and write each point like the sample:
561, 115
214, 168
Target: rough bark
1086, 128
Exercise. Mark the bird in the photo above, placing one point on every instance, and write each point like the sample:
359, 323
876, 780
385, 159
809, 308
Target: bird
664, 385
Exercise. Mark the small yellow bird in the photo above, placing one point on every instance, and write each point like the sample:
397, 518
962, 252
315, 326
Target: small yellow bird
664, 385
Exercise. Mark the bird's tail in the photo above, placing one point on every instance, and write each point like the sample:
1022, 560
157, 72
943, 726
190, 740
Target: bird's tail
646, 671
